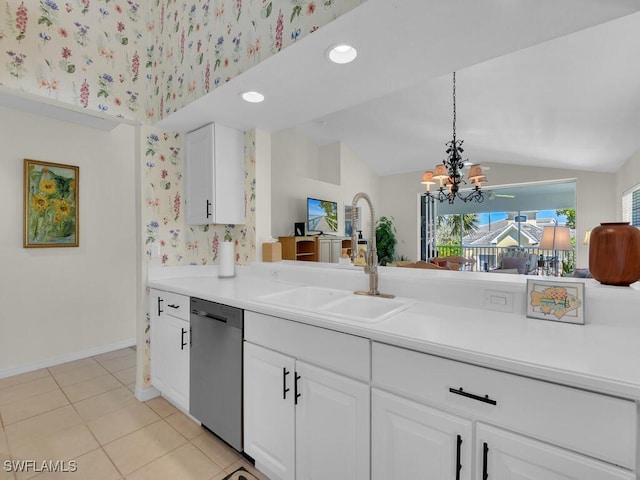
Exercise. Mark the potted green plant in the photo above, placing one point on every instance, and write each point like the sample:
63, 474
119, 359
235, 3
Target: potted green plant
385, 240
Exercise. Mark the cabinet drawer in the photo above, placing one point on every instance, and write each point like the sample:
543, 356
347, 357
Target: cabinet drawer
175, 305
335, 351
590, 423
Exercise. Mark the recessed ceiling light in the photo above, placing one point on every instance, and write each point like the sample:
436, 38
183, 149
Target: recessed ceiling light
342, 53
253, 97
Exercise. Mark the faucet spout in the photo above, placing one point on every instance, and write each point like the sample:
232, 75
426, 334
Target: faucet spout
371, 267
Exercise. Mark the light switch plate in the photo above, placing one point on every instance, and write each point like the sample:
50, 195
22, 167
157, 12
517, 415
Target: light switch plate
498, 301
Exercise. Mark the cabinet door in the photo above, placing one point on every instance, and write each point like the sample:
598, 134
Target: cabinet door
158, 340
176, 353
269, 413
199, 176
410, 440
332, 426
336, 250
324, 250
506, 456
229, 175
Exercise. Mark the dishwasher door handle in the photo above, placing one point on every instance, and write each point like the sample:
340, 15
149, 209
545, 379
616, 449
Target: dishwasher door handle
202, 313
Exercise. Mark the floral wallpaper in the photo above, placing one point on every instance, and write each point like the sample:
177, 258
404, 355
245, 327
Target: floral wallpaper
200, 44
143, 60
163, 208
163, 215
85, 53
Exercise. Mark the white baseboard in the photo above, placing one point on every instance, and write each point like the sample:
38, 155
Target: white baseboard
144, 394
50, 362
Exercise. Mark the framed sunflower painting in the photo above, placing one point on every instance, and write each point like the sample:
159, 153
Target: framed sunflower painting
50, 204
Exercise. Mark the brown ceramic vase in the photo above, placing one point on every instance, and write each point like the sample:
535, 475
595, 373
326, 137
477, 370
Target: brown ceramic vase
614, 254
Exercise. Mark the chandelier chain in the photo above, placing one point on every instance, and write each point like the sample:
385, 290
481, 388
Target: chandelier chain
452, 181
454, 106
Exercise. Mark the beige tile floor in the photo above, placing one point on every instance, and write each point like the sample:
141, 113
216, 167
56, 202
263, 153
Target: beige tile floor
85, 411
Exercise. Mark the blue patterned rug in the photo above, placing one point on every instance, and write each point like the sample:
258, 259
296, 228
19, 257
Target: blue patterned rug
240, 474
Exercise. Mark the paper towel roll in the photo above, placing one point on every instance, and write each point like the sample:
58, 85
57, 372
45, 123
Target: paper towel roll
226, 262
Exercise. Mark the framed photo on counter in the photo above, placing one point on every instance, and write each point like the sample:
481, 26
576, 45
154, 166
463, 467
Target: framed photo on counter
555, 301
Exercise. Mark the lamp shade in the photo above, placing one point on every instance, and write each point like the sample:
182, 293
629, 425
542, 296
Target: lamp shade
427, 178
440, 173
556, 238
476, 175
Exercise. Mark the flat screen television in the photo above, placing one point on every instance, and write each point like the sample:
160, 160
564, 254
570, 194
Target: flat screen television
322, 216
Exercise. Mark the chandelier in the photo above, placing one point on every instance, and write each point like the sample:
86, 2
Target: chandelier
449, 173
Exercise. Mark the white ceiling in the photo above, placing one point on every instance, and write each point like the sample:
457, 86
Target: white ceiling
552, 83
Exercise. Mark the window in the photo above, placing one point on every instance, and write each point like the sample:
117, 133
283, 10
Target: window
511, 217
631, 206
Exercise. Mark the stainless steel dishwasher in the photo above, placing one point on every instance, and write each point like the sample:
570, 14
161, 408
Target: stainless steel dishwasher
215, 393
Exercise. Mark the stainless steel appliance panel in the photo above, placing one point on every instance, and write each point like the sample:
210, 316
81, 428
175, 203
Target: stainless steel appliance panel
216, 369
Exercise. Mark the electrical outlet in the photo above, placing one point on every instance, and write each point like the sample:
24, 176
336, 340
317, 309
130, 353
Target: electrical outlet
498, 301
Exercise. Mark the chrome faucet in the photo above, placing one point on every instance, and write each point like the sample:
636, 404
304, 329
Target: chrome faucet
371, 267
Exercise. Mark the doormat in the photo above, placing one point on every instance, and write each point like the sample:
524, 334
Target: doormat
240, 474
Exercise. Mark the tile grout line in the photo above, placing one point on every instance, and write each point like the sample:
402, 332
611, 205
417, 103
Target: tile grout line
84, 422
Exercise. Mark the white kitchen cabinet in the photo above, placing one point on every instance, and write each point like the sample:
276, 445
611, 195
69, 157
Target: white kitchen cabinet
303, 421
556, 432
501, 455
332, 425
214, 192
170, 334
269, 419
410, 440
330, 249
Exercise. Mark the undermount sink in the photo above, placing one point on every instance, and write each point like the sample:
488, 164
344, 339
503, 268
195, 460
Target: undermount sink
341, 303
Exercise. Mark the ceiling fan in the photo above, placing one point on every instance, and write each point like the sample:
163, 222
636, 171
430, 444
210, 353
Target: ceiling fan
492, 195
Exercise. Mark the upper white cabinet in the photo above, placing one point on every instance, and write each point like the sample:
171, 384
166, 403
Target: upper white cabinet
215, 176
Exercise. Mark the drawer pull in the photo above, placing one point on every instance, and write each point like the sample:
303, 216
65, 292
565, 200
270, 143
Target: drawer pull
182, 342
484, 399
296, 394
485, 453
173, 306
458, 464
285, 389
160, 306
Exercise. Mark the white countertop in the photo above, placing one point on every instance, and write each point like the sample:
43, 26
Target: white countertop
603, 355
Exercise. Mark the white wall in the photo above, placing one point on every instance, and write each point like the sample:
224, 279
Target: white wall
595, 201
628, 176
297, 164
58, 302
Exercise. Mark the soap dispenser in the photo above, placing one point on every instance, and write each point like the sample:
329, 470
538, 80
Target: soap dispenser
363, 250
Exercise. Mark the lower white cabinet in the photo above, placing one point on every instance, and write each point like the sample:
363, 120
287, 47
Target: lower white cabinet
502, 455
410, 440
170, 335
269, 419
538, 431
303, 422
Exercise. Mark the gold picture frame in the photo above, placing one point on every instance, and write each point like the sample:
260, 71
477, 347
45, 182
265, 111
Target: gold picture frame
50, 204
